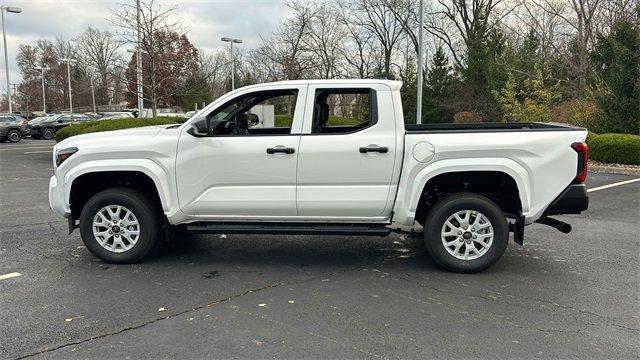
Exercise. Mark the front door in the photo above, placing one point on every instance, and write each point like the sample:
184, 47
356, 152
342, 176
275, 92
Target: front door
246, 166
347, 154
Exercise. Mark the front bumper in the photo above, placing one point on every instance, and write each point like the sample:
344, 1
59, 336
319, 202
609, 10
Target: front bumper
573, 200
57, 202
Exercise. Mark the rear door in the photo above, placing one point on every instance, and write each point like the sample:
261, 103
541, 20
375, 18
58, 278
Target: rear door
347, 153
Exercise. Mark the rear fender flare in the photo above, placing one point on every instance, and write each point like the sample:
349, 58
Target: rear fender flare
507, 166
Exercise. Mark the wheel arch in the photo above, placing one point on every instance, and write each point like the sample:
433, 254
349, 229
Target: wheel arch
89, 178
461, 171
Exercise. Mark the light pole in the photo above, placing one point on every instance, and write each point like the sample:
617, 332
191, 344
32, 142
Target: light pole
139, 88
420, 65
44, 99
231, 41
69, 61
15, 10
139, 62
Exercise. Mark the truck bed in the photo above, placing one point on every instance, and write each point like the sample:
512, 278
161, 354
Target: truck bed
489, 127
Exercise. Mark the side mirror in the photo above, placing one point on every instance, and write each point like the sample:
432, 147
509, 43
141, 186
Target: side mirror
199, 127
252, 119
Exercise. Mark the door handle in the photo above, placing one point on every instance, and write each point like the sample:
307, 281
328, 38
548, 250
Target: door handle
374, 148
281, 150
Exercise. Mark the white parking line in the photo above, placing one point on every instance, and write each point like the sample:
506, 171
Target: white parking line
612, 185
37, 152
10, 275
28, 147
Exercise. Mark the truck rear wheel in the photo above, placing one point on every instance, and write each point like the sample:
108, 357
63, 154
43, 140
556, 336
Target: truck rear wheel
466, 232
120, 225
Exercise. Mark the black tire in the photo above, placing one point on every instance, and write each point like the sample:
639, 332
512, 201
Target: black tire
447, 207
48, 133
14, 135
143, 209
2, 140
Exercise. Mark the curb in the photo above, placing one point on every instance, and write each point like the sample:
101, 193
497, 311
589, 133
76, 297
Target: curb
614, 170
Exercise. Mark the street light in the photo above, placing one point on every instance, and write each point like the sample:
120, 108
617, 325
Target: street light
138, 53
69, 61
231, 41
15, 10
44, 99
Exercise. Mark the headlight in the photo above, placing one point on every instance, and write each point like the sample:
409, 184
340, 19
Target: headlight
64, 154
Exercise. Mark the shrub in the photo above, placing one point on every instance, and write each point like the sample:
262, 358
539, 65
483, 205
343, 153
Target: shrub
615, 148
583, 113
109, 125
467, 117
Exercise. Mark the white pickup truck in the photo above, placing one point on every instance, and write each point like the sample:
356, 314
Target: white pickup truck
327, 157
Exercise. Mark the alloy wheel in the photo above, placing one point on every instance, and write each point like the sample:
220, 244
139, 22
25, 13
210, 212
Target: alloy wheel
116, 228
467, 234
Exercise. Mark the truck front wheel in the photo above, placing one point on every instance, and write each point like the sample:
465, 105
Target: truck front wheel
466, 232
119, 225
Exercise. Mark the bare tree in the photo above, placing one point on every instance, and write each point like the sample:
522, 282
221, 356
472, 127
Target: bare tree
100, 52
580, 16
375, 17
325, 37
358, 50
154, 19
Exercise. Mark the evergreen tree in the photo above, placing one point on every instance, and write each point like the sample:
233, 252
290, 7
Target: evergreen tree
616, 58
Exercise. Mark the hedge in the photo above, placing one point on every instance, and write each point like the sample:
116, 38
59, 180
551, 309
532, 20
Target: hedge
117, 124
614, 148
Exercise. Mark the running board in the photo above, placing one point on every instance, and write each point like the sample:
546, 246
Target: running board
288, 229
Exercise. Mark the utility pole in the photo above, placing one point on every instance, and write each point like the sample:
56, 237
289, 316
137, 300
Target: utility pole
69, 61
44, 99
233, 61
15, 10
420, 64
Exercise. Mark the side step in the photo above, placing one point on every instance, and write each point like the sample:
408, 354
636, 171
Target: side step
288, 229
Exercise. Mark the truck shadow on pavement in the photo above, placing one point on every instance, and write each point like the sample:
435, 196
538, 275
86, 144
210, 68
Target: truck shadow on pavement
296, 251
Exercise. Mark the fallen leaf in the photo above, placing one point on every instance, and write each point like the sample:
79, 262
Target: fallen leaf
73, 318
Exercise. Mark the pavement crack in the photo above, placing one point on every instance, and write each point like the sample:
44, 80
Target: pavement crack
152, 321
200, 307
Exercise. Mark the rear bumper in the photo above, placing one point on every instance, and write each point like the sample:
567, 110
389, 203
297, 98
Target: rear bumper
573, 200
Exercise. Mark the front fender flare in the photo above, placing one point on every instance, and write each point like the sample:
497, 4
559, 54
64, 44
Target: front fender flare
158, 175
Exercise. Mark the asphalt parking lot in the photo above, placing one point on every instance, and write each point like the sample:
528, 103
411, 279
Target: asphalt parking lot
236, 296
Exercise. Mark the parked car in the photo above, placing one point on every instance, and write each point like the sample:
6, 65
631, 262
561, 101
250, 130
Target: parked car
13, 127
116, 115
47, 128
309, 172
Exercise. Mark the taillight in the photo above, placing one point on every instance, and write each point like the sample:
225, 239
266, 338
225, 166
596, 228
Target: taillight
583, 157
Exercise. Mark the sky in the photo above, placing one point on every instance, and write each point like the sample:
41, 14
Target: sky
206, 20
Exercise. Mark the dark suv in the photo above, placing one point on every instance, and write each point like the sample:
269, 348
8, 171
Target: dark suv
12, 127
48, 127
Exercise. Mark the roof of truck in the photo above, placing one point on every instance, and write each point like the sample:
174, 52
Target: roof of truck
393, 84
